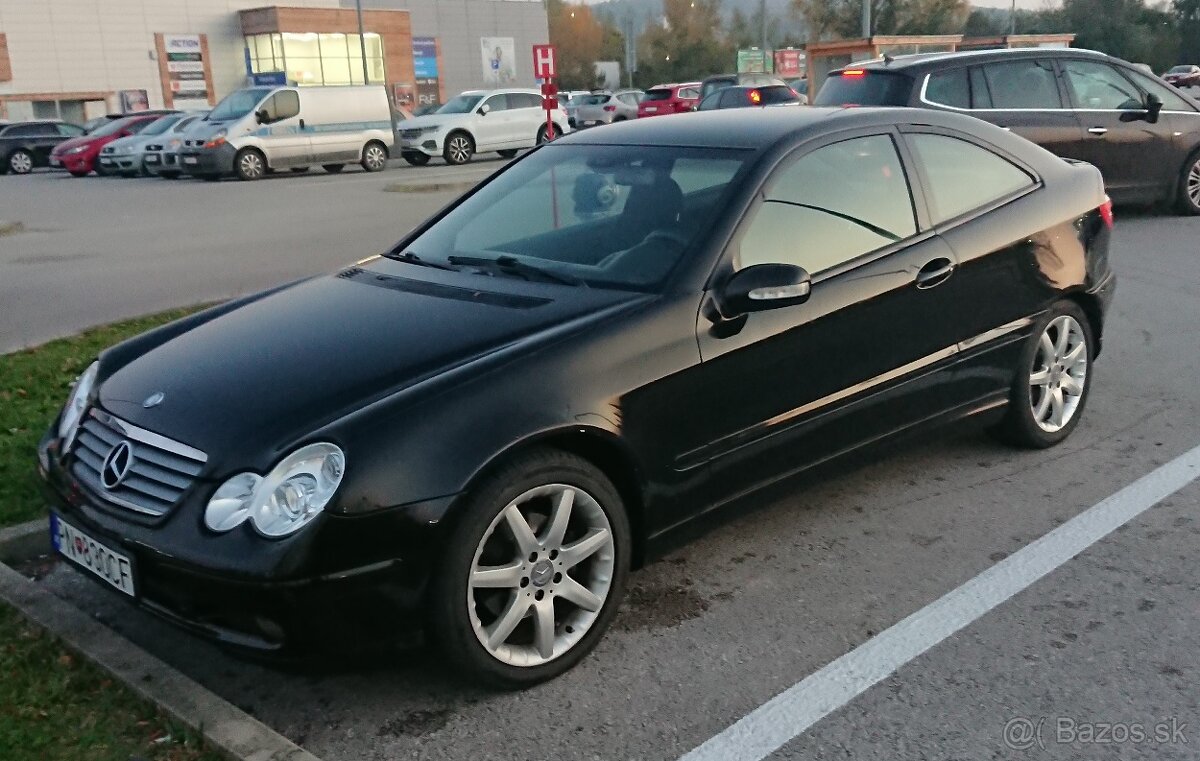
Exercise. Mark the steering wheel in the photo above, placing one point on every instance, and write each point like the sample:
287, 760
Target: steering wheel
655, 239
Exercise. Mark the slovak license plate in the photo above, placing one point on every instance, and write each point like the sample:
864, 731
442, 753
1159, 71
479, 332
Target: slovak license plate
190, 160
91, 555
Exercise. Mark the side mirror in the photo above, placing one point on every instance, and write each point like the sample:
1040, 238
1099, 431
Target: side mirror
1154, 106
484, 110
760, 287
261, 116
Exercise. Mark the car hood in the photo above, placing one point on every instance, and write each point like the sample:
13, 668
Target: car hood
204, 129
258, 377
126, 142
67, 145
432, 120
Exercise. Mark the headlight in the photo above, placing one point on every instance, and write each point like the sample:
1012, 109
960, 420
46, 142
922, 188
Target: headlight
78, 149
284, 500
430, 129
68, 421
217, 139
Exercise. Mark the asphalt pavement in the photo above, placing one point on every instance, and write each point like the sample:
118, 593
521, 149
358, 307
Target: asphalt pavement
782, 585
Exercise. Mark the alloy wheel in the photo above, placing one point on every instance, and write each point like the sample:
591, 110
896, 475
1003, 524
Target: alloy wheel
251, 165
20, 163
540, 575
460, 149
1192, 187
374, 158
1059, 374
547, 134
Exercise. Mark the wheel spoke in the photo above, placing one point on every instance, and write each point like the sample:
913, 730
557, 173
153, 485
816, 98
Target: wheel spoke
499, 631
497, 576
574, 554
1075, 355
1071, 385
521, 532
1056, 407
573, 591
559, 519
1039, 412
1046, 347
1064, 334
543, 627
1039, 378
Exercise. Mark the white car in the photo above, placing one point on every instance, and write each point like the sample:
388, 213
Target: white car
478, 121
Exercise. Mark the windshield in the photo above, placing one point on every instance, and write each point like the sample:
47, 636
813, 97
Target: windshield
461, 104
113, 127
159, 126
238, 103
594, 100
864, 88
607, 216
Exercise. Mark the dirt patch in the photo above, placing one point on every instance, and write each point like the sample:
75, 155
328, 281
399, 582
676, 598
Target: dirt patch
415, 723
10, 228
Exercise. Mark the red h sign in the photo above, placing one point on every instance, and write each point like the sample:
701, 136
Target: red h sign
544, 62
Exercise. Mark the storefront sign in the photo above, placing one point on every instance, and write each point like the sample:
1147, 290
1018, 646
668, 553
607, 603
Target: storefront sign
425, 70
267, 78
754, 61
789, 63
187, 72
499, 64
133, 100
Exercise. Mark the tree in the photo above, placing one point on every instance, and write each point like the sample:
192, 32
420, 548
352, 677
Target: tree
581, 39
684, 44
1187, 18
1124, 28
843, 18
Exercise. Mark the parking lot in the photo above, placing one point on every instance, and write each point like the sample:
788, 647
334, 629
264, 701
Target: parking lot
778, 587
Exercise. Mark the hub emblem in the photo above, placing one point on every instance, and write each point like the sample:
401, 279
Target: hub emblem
541, 574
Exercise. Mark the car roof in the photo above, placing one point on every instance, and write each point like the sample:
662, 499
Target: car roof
923, 61
731, 128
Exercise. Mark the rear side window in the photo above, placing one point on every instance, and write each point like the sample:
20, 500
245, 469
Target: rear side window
524, 100
652, 95
865, 88
963, 176
949, 88
732, 98
1022, 84
689, 93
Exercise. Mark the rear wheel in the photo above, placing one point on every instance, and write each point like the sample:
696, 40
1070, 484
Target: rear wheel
374, 157
416, 159
333, 168
547, 133
169, 175
1189, 185
459, 148
250, 164
508, 153
20, 162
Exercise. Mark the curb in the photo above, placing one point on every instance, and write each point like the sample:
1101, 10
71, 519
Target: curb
224, 727
24, 541
9, 228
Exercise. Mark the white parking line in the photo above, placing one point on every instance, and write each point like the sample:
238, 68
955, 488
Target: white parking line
790, 713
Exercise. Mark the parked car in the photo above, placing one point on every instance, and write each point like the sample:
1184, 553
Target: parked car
1183, 76
127, 156
1143, 134
78, 155
91, 124
478, 433
24, 146
259, 129
718, 81
800, 87
162, 155
669, 99
605, 107
569, 100
479, 121
749, 97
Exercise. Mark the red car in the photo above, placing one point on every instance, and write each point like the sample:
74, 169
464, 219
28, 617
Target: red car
669, 99
1183, 75
78, 155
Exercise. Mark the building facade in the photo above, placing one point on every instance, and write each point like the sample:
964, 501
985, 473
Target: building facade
76, 59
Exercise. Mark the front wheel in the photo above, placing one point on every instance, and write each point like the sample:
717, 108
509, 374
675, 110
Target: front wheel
1189, 186
507, 153
547, 133
333, 168
459, 149
20, 162
416, 159
374, 157
534, 571
250, 165
1052, 381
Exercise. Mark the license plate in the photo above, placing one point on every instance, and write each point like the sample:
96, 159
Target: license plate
190, 160
105, 162
91, 555
651, 109
152, 159
54, 161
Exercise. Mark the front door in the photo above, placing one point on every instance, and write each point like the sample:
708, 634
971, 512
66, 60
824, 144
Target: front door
495, 129
1132, 154
787, 387
1023, 97
285, 139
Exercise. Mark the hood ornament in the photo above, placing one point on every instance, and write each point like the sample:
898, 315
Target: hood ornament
154, 400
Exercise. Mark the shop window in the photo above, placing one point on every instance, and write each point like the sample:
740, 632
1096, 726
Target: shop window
312, 58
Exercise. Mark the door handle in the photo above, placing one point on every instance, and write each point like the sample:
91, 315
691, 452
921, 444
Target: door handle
301, 124
1098, 130
935, 272
1006, 129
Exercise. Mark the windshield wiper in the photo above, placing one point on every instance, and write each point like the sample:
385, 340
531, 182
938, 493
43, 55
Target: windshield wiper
408, 257
509, 265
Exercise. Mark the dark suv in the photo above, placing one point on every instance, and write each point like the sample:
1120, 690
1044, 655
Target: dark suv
26, 145
1143, 134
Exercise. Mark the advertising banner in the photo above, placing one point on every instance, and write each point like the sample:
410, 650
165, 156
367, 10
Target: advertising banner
186, 68
789, 63
499, 61
133, 100
425, 71
754, 61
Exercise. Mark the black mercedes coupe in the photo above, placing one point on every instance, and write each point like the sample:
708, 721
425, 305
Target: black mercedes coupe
476, 434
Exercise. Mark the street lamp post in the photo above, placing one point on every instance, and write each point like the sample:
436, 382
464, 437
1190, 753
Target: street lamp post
362, 41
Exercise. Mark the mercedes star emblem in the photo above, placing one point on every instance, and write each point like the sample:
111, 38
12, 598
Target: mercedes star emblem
154, 399
117, 465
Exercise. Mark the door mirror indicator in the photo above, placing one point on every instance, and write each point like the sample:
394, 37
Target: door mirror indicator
765, 286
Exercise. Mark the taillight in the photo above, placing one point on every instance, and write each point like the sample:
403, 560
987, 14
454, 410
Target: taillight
755, 97
854, 73
1106, 212
610, 108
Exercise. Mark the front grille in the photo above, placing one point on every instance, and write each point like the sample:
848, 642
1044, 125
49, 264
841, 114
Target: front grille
159, 473
411, 134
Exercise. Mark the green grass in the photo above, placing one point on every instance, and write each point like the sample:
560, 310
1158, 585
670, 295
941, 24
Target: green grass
56, 706
33, 387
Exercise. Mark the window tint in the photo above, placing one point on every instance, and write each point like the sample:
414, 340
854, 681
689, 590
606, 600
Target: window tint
31, 130
1171, 101
497, 102
1098, 85
963, 176
981, 97
868, 88
1022, 84
653, 95
689, 93
949, 88
283, 105
69, 130
524, 100
832, 205
732, 97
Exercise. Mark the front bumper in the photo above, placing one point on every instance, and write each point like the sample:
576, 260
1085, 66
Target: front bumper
429, 143
165, 161
342, 579
74, 162
201, 161
122, 162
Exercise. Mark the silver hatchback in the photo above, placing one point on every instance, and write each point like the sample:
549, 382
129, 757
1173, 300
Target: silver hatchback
605, 107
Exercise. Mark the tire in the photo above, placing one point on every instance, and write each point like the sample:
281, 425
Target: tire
374, 157
459, 148
482, 538
76, 173
249, 165
508, 153
543, 131
1188, 191
169, 175
129, 175
299, 169
333, 168
209, 177
1030, 420
19, 162
416, 159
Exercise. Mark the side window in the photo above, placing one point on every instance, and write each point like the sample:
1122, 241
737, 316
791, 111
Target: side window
498, 102
732, 97
981, 97
1100, 86
1171, 101
1022, 84
711, 102
69, 130
283, 105
689, 93
831, 206
524, 100
962, 176
949, 88
629, 99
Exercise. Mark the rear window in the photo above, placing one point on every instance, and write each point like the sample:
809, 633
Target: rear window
712, 85
594, 100
865, 88
775, 94
657, 95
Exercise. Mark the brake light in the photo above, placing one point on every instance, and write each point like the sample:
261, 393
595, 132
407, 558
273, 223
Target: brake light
755, 97
854, 73
1106, 212
610, 108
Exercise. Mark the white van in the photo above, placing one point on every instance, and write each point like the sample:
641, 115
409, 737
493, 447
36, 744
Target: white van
478, 121
257, 129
